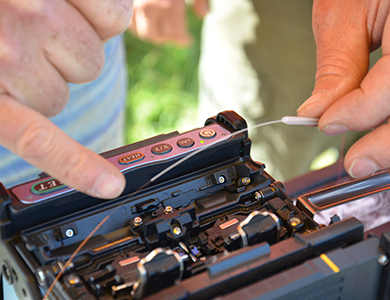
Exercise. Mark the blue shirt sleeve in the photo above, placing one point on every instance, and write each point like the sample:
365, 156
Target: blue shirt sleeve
94, 115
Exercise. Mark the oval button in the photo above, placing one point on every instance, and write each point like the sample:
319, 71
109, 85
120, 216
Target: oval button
131, 158
161, 149
207, 133
185, 143
47, 186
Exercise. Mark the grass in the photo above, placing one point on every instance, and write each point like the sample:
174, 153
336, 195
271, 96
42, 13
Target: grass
163, 86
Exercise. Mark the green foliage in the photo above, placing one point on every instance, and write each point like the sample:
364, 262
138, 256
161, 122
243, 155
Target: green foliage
163, 86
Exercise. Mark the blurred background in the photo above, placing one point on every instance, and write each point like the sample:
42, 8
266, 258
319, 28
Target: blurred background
262, 72
163, 85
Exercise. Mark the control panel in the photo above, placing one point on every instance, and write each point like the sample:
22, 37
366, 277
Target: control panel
43, 189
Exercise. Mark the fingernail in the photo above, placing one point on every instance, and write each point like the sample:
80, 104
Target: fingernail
362, 167
306, 103
108, 186
334, 129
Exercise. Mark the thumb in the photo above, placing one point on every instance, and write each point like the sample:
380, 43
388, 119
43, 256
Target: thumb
343, 47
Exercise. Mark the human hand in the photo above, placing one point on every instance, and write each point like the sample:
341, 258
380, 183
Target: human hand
348, 97
43, 45
201, 7
163, 21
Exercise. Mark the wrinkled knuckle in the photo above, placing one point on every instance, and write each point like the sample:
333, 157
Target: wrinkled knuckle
336, 73
36, 141
327, 72
333, 65
332, 68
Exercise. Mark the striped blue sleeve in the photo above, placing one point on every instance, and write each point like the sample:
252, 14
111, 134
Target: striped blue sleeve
94, 115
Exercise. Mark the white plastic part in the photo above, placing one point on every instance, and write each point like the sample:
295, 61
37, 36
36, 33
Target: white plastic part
291, 120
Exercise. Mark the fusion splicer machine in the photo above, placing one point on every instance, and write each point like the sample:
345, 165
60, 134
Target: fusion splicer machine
214, 226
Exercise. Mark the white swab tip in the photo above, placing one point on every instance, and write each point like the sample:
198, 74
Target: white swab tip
292, 120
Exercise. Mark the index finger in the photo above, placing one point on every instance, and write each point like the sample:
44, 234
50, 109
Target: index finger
343, 45
37, 140
365, 107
